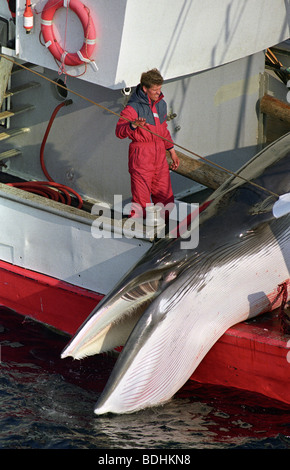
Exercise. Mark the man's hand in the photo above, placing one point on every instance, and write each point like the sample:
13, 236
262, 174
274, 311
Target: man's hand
175, 160
138, 122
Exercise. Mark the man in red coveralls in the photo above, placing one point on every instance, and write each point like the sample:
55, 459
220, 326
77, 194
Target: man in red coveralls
148, 167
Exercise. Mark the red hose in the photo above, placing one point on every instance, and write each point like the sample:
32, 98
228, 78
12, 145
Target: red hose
55, 191
45, 139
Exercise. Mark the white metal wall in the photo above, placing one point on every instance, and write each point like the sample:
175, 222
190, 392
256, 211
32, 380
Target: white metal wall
178, 37
216, 118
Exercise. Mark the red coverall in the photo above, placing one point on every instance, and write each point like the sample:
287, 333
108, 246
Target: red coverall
148, 167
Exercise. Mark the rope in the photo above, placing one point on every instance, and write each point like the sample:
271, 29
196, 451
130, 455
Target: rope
62, 65
148, 130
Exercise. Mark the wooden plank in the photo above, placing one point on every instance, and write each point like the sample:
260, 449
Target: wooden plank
9, 154
9, 133
13, 112
275, 108
18, 68
21, 88
5, 71
199, 171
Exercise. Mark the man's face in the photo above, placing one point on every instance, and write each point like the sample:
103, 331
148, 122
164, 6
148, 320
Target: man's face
153, 92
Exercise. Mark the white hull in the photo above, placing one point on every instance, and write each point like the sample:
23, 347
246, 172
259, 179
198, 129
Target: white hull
60, 242
192, 36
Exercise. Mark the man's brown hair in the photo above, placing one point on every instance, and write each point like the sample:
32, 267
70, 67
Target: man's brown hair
150, 78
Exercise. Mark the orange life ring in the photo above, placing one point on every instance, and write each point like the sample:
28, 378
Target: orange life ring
68, 58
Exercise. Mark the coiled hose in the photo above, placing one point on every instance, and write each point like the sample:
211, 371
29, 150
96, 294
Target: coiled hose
50, 189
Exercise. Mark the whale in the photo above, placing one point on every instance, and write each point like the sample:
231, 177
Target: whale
177, 301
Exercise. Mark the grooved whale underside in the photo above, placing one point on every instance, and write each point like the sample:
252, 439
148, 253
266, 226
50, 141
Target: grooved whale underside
172, 307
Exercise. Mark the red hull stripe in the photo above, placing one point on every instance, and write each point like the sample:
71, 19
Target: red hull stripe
46, 299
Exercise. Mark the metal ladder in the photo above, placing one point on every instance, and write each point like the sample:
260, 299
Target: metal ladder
7, 111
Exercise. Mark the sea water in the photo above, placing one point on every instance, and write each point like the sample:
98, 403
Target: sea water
47, 403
